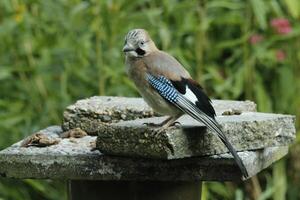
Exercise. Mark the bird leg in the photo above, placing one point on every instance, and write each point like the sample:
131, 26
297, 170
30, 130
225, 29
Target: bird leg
171, 121
159, 124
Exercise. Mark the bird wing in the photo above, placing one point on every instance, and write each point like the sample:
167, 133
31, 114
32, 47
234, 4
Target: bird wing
187, 103
194, 92
161, 63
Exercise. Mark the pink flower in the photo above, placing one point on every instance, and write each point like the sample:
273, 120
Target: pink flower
255, 38
280, 55
281, 25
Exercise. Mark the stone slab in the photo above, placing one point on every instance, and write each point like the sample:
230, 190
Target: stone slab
87, 114
248, 131
73, 159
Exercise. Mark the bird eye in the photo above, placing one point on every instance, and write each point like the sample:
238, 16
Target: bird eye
142, 43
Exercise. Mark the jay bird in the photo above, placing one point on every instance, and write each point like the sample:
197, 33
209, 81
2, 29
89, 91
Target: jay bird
168, 88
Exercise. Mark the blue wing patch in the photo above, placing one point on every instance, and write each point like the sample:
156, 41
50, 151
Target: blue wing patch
164, 87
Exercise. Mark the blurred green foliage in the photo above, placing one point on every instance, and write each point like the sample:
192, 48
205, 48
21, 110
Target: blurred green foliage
55, 52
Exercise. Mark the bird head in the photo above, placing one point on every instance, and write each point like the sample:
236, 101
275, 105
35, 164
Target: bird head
138, 44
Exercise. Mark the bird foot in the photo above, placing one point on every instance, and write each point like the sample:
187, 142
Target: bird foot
176, 124
161, 127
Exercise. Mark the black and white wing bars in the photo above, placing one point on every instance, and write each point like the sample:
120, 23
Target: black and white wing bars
166, 89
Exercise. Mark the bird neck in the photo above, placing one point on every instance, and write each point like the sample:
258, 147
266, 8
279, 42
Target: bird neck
152, 46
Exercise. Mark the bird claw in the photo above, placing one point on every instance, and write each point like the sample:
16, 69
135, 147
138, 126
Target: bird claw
176, 124
160, 128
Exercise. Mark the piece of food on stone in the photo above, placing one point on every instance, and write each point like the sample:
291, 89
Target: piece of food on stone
74, 133
39, 140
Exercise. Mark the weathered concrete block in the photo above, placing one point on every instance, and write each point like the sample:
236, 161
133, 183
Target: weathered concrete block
248, 131
73, 159
90, 113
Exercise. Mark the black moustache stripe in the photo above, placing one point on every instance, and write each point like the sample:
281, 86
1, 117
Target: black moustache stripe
140, 51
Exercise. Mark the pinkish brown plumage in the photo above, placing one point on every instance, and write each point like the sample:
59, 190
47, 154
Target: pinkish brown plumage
167, 87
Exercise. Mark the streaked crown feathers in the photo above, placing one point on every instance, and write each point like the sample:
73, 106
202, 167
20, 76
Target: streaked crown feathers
137, 35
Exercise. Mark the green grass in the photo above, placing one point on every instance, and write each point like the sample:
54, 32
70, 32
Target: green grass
53, 53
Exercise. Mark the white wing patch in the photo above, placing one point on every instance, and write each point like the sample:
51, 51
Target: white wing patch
190, 95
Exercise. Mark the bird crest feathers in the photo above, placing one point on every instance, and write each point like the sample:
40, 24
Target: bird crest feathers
137, 35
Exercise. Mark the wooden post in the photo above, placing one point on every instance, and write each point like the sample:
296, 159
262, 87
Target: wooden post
134, 190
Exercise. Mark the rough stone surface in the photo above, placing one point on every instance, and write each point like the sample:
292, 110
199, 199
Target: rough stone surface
73, 159
88, 114
248, 131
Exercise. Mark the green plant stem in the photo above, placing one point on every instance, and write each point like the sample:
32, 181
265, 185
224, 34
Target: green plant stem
200, 40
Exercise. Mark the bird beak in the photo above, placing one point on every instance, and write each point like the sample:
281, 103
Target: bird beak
128, 48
